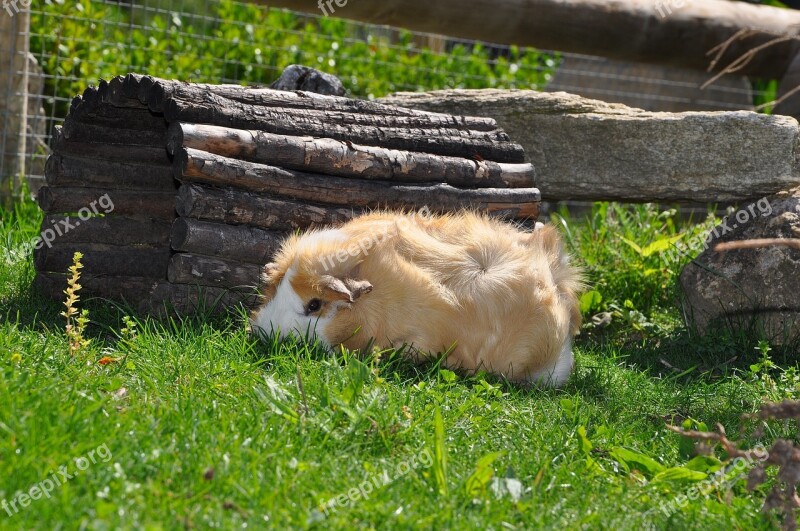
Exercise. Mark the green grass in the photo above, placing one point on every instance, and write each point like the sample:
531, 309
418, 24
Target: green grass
195, 424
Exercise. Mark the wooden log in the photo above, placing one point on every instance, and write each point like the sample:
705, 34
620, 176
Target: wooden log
116, 95
346, 159
97, 112
668, 32
125, 289
231, 242
164, 89
145, 155
244, 208
61, 170
109, 230
201, 167
84, 132
101, 259
176, 105
147, 295
212, 271
138, 204
76, 101
184, 299
214, 110
130, 85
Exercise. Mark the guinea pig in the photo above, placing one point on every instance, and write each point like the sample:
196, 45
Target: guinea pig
489, 295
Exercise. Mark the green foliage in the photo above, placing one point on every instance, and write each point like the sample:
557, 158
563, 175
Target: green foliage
209, 427
630, 258
235, 42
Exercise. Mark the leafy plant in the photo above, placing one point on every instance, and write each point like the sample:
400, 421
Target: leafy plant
76, 321
79, 43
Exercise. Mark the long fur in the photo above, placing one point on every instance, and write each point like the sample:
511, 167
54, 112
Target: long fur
495, 297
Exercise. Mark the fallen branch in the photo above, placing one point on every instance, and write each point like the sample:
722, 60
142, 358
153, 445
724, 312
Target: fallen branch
757, 243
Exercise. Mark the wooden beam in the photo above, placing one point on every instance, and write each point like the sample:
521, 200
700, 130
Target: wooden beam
259, 210
492, 145
63, 170
233, 242
100, 259
345, 159
213, 271
192, 165
132, 203
650, 31
109, 230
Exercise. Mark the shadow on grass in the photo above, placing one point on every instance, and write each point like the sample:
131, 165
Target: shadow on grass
688, 356
31, 310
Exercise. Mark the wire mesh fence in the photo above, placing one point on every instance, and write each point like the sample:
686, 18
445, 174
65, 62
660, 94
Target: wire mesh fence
55, 48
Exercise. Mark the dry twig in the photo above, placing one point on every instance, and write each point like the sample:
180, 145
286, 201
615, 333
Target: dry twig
757, 244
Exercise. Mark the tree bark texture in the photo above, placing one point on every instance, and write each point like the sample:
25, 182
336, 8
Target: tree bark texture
202, 167
345, 159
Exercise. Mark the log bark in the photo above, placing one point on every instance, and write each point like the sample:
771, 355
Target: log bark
346, 159
184, 299
244, 208
207, 168
82, 132
100, 259
123, 93
214, 110
108, 230
176, 108
96, 112
231, 242
131, 290
212, 271
145, 155
63, 170
661, 32
137, 204
147, 295
163, 90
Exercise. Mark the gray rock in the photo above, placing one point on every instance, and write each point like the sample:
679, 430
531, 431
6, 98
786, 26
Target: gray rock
747, 287
590, 150
298, 77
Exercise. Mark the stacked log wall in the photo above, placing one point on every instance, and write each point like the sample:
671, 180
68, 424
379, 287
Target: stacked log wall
207, 180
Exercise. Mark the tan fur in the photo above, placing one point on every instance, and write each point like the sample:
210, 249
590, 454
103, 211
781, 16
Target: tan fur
499, 299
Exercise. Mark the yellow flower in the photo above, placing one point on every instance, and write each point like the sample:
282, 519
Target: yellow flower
16, 357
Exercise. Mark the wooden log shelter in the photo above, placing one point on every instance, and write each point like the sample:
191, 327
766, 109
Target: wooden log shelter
200, 183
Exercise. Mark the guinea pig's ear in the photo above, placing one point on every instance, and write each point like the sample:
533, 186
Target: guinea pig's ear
268, 271
346, 290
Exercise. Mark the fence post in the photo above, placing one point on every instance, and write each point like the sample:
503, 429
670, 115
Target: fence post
14, 32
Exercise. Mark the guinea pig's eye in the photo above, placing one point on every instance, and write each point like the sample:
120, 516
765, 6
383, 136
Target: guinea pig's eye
313, 306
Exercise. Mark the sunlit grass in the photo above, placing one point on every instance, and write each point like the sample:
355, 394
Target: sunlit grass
208, 427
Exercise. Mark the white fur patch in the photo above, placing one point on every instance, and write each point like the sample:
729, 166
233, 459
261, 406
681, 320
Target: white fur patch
285, 314
557, 374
